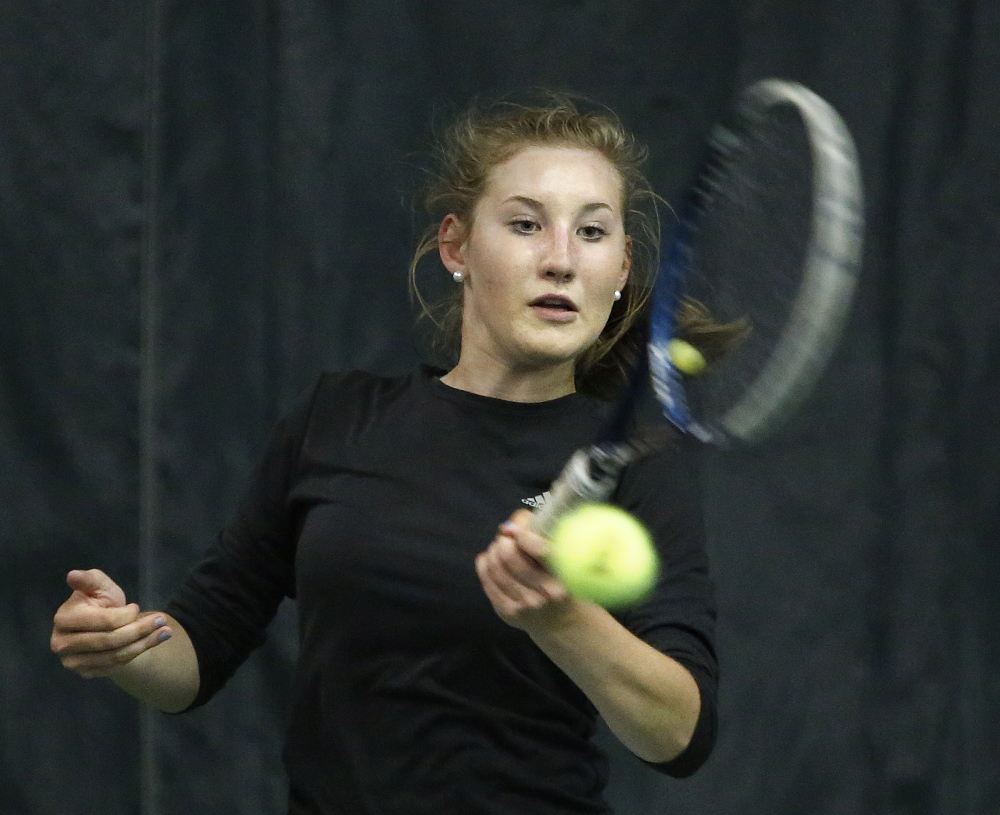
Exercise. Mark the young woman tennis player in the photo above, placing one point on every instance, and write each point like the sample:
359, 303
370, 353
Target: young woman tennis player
442, 668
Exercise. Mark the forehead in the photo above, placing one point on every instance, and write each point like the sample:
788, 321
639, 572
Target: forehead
545, 173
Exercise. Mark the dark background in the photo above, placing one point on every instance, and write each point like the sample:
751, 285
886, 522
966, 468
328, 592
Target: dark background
202, 204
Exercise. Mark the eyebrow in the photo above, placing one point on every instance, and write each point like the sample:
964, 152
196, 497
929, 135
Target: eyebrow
584, 210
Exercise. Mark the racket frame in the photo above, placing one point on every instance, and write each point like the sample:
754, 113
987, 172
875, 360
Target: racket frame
829, 277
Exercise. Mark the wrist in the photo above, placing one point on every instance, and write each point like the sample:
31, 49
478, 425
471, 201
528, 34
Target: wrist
564, 621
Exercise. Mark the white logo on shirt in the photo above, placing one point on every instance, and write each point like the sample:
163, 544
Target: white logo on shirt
537, 501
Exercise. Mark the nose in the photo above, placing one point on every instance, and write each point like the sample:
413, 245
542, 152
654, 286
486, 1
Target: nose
557, 263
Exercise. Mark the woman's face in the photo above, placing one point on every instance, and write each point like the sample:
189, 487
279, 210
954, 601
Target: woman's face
542, 259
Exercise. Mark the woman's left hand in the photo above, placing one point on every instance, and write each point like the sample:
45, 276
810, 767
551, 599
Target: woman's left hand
524, 593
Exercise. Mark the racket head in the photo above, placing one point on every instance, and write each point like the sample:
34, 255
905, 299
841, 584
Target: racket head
771, 235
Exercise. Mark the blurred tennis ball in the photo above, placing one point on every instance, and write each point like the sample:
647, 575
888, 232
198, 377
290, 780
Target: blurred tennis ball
686, 358
602, 553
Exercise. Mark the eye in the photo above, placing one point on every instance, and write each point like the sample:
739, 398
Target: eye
592, 232
524, 226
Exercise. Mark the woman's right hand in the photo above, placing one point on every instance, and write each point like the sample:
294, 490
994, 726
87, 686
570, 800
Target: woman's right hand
96, 631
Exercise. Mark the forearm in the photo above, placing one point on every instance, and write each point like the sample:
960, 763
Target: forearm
649, 701
164, 677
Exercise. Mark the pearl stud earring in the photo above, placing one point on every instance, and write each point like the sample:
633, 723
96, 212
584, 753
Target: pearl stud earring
618, 296
458, 277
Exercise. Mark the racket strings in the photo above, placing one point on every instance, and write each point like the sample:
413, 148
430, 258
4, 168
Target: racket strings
749, 251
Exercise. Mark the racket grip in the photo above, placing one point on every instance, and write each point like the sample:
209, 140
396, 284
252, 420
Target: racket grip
580, 482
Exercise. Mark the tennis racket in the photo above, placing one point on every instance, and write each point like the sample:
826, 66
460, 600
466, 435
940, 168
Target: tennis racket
769, 236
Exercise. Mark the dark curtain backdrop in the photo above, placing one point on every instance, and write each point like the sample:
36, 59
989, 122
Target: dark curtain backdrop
202, 204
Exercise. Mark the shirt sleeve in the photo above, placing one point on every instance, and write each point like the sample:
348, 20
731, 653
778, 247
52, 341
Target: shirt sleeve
231, 596
678, 618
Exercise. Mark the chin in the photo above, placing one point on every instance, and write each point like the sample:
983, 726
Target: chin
551, 355
549, 347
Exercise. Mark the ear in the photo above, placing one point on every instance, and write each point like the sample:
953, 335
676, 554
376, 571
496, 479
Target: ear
451, 243
626, 263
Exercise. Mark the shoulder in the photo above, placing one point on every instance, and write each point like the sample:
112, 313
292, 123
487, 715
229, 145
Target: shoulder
357, 391
356, 383
343, 403
665, 486
335, 395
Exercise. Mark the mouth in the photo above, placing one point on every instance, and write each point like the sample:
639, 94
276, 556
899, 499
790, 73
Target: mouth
554, 308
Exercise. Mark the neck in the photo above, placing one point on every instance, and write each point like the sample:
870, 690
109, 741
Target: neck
521, 385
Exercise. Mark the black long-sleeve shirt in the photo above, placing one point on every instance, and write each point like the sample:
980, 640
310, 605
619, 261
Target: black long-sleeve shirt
411, 695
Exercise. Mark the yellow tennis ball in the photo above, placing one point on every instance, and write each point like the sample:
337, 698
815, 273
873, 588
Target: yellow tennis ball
602, 553
686, 358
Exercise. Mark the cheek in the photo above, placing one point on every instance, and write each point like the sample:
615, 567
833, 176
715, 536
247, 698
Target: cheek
491, 299
609, 277
599, 318
495, 282
492, 296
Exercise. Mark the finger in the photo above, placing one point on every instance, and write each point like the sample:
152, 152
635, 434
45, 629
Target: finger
513, 573
81, 616
522, 518
504, 604
104, 663
96, 584
518, 526
97, 641
526, 570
